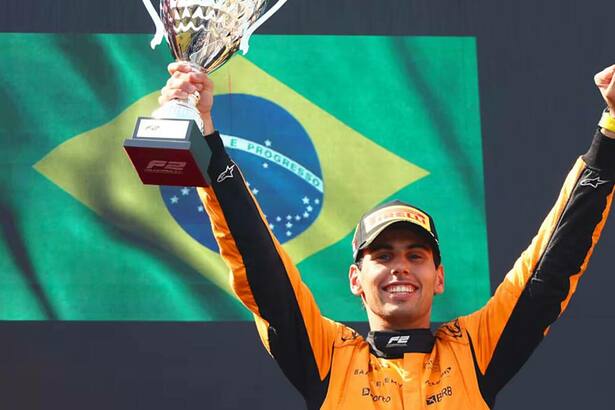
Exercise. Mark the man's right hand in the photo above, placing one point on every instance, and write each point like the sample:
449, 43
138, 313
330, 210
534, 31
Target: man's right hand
185, 81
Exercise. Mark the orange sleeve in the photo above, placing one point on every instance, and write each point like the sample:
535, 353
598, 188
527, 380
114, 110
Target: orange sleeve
265, 279
504, 333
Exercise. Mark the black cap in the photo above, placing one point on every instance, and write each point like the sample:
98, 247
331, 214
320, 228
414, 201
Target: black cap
381, 217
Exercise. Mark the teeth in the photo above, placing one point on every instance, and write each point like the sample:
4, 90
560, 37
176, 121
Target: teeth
400, 288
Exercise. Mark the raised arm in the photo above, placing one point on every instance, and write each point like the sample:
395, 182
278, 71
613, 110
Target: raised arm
263, 277
537, 290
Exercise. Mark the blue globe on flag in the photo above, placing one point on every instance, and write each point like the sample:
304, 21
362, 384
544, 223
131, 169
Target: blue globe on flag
277, 159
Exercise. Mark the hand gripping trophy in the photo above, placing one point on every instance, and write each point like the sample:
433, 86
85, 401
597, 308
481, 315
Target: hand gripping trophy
169, 148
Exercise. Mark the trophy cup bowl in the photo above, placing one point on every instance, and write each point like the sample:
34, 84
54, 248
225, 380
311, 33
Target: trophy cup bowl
206, 33
169, 149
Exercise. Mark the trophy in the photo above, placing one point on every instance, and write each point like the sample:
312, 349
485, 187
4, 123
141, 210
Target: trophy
169, 148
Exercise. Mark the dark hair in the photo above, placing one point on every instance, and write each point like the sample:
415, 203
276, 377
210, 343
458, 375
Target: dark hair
359, 261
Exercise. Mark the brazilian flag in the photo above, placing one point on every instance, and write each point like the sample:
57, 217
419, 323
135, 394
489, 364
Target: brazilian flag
324, 128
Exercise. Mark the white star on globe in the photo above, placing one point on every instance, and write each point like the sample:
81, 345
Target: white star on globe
309, 208
277, 218
306, 200
200, 208
255, 191
288, 233
268, 143
174, 199
317, 201
288, 217
297, 217
289, 225
271, 226
306, 215
185, 191
265, 165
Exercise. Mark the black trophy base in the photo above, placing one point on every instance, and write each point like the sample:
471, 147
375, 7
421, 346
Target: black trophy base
169, 152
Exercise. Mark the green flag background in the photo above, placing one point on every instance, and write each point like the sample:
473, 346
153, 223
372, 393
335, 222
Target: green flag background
389, 117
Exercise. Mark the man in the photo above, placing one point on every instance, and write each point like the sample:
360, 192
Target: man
397, 272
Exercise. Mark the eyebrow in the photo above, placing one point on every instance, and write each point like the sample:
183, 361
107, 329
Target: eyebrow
378, 247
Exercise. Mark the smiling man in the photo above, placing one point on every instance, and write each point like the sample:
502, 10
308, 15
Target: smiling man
397, 271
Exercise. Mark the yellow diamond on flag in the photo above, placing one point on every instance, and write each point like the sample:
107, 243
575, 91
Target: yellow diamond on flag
357, 173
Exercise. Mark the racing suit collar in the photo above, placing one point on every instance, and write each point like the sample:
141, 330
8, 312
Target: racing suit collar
393, 344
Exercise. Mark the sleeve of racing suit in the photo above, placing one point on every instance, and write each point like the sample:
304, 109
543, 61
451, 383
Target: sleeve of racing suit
263, 277
504, 333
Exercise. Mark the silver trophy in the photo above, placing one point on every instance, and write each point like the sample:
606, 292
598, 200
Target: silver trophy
166, 149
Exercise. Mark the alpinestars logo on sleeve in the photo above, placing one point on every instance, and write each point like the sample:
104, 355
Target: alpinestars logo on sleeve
227, 173
592, 182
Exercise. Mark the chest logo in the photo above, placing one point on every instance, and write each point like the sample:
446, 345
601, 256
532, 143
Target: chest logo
438, 397
398, 341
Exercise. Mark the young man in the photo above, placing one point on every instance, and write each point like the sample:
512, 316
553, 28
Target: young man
397, 272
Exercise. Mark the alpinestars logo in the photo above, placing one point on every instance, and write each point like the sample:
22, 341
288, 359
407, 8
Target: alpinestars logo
227, 173
398, 341
592, 182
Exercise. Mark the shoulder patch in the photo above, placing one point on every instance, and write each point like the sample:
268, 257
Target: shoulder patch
348, 336
453, 331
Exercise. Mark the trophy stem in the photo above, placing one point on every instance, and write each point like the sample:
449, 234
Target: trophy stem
184, 109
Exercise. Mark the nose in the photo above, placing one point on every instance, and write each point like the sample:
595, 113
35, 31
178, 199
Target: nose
400, 266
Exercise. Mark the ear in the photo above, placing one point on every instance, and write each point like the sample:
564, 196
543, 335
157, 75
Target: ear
355, 281
439, 285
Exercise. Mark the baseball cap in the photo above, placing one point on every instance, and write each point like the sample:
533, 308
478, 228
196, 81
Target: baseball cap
381, 217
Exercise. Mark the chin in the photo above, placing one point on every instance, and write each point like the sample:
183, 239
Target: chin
400, 314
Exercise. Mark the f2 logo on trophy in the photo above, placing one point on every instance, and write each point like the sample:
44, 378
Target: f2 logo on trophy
204, 33
157, 165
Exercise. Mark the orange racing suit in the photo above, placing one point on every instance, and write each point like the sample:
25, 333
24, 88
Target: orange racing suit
465, 363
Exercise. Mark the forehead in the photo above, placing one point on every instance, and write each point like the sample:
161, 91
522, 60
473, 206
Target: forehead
399, 234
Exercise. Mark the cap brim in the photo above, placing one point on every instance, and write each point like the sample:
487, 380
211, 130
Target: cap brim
387, 224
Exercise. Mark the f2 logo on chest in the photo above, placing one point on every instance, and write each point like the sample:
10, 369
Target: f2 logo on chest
398, 340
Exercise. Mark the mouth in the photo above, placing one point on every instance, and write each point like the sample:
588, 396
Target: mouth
400, 290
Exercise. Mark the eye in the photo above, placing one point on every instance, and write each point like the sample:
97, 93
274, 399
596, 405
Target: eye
382, 257
416, 256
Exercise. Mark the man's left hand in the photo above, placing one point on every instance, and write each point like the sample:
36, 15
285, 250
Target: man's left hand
605, 81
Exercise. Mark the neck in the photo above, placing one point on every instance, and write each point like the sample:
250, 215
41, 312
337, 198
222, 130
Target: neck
380, 324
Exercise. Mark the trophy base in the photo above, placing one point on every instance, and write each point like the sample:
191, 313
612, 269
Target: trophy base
169, 152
